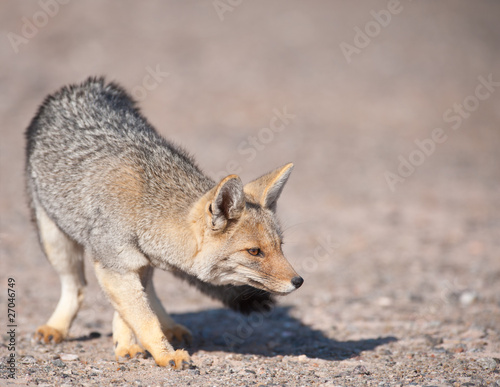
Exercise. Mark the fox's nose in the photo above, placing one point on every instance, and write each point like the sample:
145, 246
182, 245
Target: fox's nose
297, 282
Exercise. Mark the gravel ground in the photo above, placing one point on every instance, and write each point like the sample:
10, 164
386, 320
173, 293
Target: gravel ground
402, 276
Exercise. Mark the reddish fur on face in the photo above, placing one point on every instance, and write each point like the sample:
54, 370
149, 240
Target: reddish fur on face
258, 228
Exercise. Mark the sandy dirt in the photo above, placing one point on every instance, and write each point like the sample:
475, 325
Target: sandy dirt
391, 115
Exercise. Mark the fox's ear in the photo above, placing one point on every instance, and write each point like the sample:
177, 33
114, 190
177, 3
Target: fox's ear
227, 202
267, 189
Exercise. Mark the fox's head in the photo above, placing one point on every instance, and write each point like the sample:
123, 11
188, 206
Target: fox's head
239, 235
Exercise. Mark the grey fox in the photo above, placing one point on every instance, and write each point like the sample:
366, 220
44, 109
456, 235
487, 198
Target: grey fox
101, 180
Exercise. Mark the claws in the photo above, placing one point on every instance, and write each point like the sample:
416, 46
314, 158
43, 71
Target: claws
46, 334
127, 353
178, 360
178, 334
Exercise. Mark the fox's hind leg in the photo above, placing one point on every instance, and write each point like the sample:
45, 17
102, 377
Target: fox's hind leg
173, 331
66, 256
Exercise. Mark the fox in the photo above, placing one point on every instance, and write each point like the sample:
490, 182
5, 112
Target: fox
101, 182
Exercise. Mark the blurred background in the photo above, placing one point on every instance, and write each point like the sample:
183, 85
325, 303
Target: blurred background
389, 110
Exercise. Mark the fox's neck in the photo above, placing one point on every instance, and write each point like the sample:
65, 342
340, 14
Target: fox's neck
174, 233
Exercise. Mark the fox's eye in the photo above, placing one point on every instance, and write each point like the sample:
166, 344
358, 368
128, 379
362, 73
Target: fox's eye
255, 251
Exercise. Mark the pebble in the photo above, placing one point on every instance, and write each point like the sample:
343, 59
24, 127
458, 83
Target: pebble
360, 370
302, 358
487, 363
468, 297
68, 357
28, 360
433, 341
384, 301
58, 363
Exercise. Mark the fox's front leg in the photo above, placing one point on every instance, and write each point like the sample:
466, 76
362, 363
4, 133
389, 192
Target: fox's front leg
124, 340
174, 332
129, 298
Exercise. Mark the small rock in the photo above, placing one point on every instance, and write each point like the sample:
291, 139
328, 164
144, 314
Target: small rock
468, 297
487, 363
28, 360
433, 341
384, 301
434, 324
237, 357
360, 370
68, 357
58, 363
302, 358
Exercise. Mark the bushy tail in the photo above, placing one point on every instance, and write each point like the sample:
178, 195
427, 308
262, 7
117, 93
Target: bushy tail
244, 299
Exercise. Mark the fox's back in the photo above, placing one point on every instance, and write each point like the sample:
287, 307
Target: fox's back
93, 159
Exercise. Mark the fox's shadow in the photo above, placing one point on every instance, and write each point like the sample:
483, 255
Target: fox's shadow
268, 334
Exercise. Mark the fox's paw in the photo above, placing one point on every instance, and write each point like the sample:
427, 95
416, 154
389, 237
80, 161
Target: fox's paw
178, 333
47, 334
178, 360
128, 352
